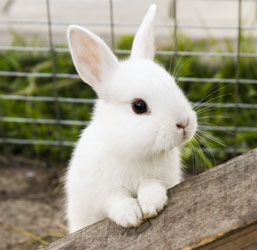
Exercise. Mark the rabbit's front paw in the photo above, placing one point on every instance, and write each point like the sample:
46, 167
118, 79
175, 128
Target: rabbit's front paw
126, 212
152, 199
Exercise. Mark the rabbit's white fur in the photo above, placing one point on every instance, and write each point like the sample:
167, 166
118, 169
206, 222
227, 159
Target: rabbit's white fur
124, 162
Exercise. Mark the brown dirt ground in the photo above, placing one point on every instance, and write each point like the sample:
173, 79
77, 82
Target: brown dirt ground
31, 203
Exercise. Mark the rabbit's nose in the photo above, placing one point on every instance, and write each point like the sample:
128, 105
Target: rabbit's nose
181, 125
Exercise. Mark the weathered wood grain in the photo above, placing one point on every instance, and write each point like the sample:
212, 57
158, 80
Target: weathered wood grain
214, 210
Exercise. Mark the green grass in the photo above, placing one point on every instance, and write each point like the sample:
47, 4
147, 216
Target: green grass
190, 66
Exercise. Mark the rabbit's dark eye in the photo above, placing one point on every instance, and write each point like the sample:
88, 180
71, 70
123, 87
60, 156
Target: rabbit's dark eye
139, 106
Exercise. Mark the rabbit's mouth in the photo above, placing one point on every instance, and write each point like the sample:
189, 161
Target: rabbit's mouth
169, 137
186, 139
187, 136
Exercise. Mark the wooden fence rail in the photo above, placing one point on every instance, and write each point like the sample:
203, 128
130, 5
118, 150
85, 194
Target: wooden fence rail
214, 210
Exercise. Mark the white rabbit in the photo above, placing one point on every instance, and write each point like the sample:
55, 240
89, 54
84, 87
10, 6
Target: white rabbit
128, 156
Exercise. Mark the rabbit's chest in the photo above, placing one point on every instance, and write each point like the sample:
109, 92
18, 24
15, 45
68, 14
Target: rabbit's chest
133, 176
130, 174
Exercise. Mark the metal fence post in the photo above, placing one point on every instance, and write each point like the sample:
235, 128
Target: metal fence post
53, 65
112, 25
237, 74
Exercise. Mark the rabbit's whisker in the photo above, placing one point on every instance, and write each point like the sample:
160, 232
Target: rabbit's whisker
200, 104
211, 138
211, 93
216, 127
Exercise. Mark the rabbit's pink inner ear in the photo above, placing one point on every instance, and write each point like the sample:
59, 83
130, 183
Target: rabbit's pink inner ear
92, 58
86, 56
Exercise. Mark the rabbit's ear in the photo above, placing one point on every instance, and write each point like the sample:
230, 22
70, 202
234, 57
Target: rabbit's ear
92, 58
143, 44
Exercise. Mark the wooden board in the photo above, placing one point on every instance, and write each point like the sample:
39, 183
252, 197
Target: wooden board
214, 210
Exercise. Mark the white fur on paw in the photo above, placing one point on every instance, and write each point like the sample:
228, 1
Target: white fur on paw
152, 199
126, 212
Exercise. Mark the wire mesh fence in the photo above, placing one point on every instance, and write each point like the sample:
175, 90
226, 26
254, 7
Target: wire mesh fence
27, 101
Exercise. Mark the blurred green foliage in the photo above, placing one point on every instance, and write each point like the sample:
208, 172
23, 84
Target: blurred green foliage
180, 66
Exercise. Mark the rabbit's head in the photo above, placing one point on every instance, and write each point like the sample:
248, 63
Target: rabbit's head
141, 109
